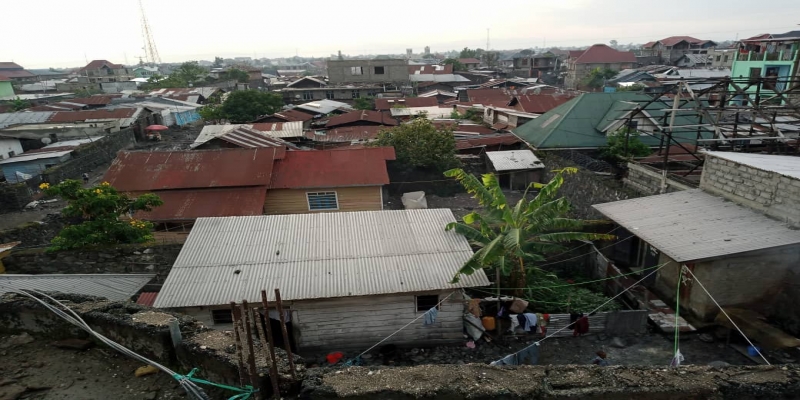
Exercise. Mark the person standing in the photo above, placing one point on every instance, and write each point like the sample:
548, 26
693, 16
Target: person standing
85, 178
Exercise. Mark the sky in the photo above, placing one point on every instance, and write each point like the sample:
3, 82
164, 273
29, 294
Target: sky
57, 33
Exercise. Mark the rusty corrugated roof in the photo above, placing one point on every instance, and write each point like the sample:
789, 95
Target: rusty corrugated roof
505, 139
76, 116
293, 115
375, 117
147, 298
93, 100
332, 168
160, 170
188, 205
250, 138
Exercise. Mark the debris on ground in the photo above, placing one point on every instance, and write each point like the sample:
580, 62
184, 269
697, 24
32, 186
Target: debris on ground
152, 318
16, 340
146, 370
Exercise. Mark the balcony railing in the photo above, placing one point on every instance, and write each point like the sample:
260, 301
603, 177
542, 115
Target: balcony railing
783, 55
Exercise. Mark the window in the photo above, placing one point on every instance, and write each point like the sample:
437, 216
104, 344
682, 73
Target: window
356, 71
308, 95
11, 153
718, 58
755, 74
329, 94
379, 71
356, 94
322, 201
725, 59
222, 316
425, 303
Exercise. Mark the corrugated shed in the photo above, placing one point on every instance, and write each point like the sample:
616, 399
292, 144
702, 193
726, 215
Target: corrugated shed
693, 225
115, 287
324, 106
513, 160
332, 168
188, 205
375, 117
17, 118
314, 256
159, 170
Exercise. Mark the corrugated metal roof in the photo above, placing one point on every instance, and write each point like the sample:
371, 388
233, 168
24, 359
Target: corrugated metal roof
103, 113
512, 160
147, 298
430, 112
293, 115
437, 92
251, 138
35, 156
694, 225
291, 129
15, 118
324, 106
504, 139
784, 165
115, 287
437, 78
310, 256
8, 246
134, 171
188, 205
375, 117
332, 168
388, 104
345, 134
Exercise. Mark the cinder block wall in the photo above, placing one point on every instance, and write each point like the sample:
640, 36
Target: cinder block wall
768, 192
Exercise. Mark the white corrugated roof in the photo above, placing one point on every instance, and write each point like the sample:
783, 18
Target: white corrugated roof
116, 287
310, 256
430, 112
694, 225
34, 156
324, 106
437, 78
512, 160
784, 165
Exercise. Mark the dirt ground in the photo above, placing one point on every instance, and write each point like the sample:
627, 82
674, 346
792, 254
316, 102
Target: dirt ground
42, 371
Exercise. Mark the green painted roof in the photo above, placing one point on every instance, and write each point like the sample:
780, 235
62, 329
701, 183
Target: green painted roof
579, 122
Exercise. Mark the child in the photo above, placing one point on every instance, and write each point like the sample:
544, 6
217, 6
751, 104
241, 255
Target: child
600, 359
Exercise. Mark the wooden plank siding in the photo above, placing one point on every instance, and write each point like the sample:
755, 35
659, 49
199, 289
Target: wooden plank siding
294, 201
359, 322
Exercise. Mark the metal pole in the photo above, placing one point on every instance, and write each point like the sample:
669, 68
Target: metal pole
285, 332
675, 106
251, 353
237, 322
273, 369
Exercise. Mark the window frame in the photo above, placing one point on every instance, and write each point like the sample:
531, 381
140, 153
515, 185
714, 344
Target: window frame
375, 70
435, 304
308, 95
356, 94
335, 197
356, 71
215, 320
330, 94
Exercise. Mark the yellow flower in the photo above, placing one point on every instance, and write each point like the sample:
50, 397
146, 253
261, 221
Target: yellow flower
98, 191
106, 184
44, 186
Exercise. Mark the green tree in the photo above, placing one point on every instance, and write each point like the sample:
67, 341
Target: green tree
514, 239
457, 65
236, 74
19, 104
246, 105
598, 76
99, 209
470, 53
87, 92
211, 113
189, 72
614, 43
624, 144
491, 58
218, 61
420, 144
364, 103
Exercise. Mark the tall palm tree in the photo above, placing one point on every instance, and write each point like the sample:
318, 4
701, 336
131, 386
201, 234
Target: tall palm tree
508, 237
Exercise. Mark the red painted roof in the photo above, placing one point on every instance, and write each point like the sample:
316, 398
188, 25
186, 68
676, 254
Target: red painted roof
376, 117
575, 53
649, 45
187, 205
346, 134
147, 298
97, 64
76, 116
673, 40
332, 168
17, 74
489, 97
469, 61
540, 103
470, 128
10, 65
4, 78
293, 115
161, 170
387, 104
93, 100
602, 54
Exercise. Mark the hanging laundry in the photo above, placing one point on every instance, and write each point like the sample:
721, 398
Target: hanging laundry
514, 322
573, 317
474, 307
530, 322
527, 356
473, 326
581, 326
543, 320
430, 316
677, 359
521, 320
502, 311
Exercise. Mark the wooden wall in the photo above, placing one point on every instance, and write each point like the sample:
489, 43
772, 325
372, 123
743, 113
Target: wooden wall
293, 201
359, 322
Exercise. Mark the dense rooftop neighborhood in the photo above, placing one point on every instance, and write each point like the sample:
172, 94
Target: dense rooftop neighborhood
277, 224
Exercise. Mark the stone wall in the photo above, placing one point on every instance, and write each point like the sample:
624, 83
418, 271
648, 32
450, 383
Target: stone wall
90, 156
647, 180
13, 197
585, 188
477, 382
132, 259
34, 234
769, 192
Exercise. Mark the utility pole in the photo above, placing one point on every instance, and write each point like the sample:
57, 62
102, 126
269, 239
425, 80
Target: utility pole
487, 39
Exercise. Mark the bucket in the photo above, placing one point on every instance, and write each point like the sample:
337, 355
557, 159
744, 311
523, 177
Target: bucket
488, 323
753, 351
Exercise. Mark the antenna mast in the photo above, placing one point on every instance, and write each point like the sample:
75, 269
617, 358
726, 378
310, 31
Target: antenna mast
487, 39
150, 50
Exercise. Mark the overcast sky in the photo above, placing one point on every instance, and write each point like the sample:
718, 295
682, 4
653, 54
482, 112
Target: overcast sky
57, 33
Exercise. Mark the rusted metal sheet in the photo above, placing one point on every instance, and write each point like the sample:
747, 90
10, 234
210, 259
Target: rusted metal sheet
75, 116
332, 168
375, 117
148, 171
187, 205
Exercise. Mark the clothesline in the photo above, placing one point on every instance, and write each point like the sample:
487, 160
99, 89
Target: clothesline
581, 283
655, 269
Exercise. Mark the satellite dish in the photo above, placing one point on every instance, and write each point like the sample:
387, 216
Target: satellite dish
46, 140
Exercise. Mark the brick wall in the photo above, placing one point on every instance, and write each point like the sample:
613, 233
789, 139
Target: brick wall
768, 192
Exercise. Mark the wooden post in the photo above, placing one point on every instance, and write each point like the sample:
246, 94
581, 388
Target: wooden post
273, 369
285, 332
237, 322
251, 353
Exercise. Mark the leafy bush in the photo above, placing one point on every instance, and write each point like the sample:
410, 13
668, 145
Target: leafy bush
420, 144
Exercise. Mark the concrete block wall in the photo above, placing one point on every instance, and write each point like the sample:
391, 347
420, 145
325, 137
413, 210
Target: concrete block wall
647, 180
773, 194
90, 156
